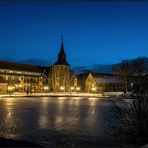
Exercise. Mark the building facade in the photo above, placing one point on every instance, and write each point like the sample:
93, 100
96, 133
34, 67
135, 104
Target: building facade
22, 77
99, 82
55, 78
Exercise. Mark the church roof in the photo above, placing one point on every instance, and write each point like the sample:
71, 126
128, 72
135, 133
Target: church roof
62, 56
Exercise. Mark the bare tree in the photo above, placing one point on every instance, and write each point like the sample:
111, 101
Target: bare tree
131, 111
131, 120
122, 69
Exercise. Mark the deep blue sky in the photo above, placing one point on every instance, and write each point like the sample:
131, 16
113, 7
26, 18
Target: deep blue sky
94, 32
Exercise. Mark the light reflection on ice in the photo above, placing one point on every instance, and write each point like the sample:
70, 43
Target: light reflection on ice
37, 115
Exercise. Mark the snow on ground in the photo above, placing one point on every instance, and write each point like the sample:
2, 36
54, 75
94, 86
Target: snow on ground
63, 94
53, 94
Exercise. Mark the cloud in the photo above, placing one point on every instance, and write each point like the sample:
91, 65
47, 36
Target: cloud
102, 68
79, 69
38, 62
94, 68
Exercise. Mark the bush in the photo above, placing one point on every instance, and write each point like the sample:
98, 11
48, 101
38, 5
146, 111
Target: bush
131, 119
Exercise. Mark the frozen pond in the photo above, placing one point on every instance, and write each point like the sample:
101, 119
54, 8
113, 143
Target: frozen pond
37, 118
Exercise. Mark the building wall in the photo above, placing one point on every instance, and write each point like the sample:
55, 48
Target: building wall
61, 78
93, 85
90, 84
22, 80
3, 88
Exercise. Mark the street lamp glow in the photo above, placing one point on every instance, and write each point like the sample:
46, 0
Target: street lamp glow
77, 88
16, 85
10, 88
20, 85
72, 88
62, 88
27, 84
46, 88
93, 89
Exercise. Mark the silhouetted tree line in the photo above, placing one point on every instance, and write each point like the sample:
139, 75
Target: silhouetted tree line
133, 75
131, 109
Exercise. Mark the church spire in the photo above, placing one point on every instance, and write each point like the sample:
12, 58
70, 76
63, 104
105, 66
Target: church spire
62, 52
62, 37
62, 56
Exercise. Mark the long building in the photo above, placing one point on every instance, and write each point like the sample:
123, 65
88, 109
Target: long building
59, 77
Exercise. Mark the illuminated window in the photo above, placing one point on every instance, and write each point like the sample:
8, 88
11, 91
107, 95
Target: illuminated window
6, 77
19, 72
11, 71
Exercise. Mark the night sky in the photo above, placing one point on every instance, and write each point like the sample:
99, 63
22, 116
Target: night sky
94, 32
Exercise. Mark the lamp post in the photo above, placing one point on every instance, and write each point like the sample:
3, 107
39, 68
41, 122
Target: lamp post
28, 88
10, 89
72, 88
93, 89
77, 89
46, 89
62, 88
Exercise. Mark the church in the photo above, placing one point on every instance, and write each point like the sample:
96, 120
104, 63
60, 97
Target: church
62, 77
59, 77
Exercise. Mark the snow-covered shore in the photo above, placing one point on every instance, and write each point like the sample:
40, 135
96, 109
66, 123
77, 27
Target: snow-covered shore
59, 94
54, 95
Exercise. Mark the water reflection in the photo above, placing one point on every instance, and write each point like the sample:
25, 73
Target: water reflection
33, 118
7, 120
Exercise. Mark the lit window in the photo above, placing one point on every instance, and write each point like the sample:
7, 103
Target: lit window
6, 77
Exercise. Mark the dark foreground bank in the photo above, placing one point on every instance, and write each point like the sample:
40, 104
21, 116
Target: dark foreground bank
16, 143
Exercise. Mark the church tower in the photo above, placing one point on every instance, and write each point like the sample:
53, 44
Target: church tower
61, 73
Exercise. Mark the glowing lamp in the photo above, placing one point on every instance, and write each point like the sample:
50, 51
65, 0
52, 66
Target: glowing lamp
94, 89
72, 88
62, 88
77, 88
10, 88
46, 88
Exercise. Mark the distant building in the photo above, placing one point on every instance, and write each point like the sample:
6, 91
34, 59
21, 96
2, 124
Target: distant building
59, 77
22, 77
99, 82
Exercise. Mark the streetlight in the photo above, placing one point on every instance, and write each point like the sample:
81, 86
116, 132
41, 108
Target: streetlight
77, 89
28, 88
20, 85
46, 88
72, 88
62, 88
10, 89
93, 89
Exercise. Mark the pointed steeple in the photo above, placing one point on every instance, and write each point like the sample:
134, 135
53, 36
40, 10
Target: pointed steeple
62, 56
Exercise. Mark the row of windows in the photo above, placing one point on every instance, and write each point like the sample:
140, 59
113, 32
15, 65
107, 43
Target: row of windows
22, 78
19, 72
